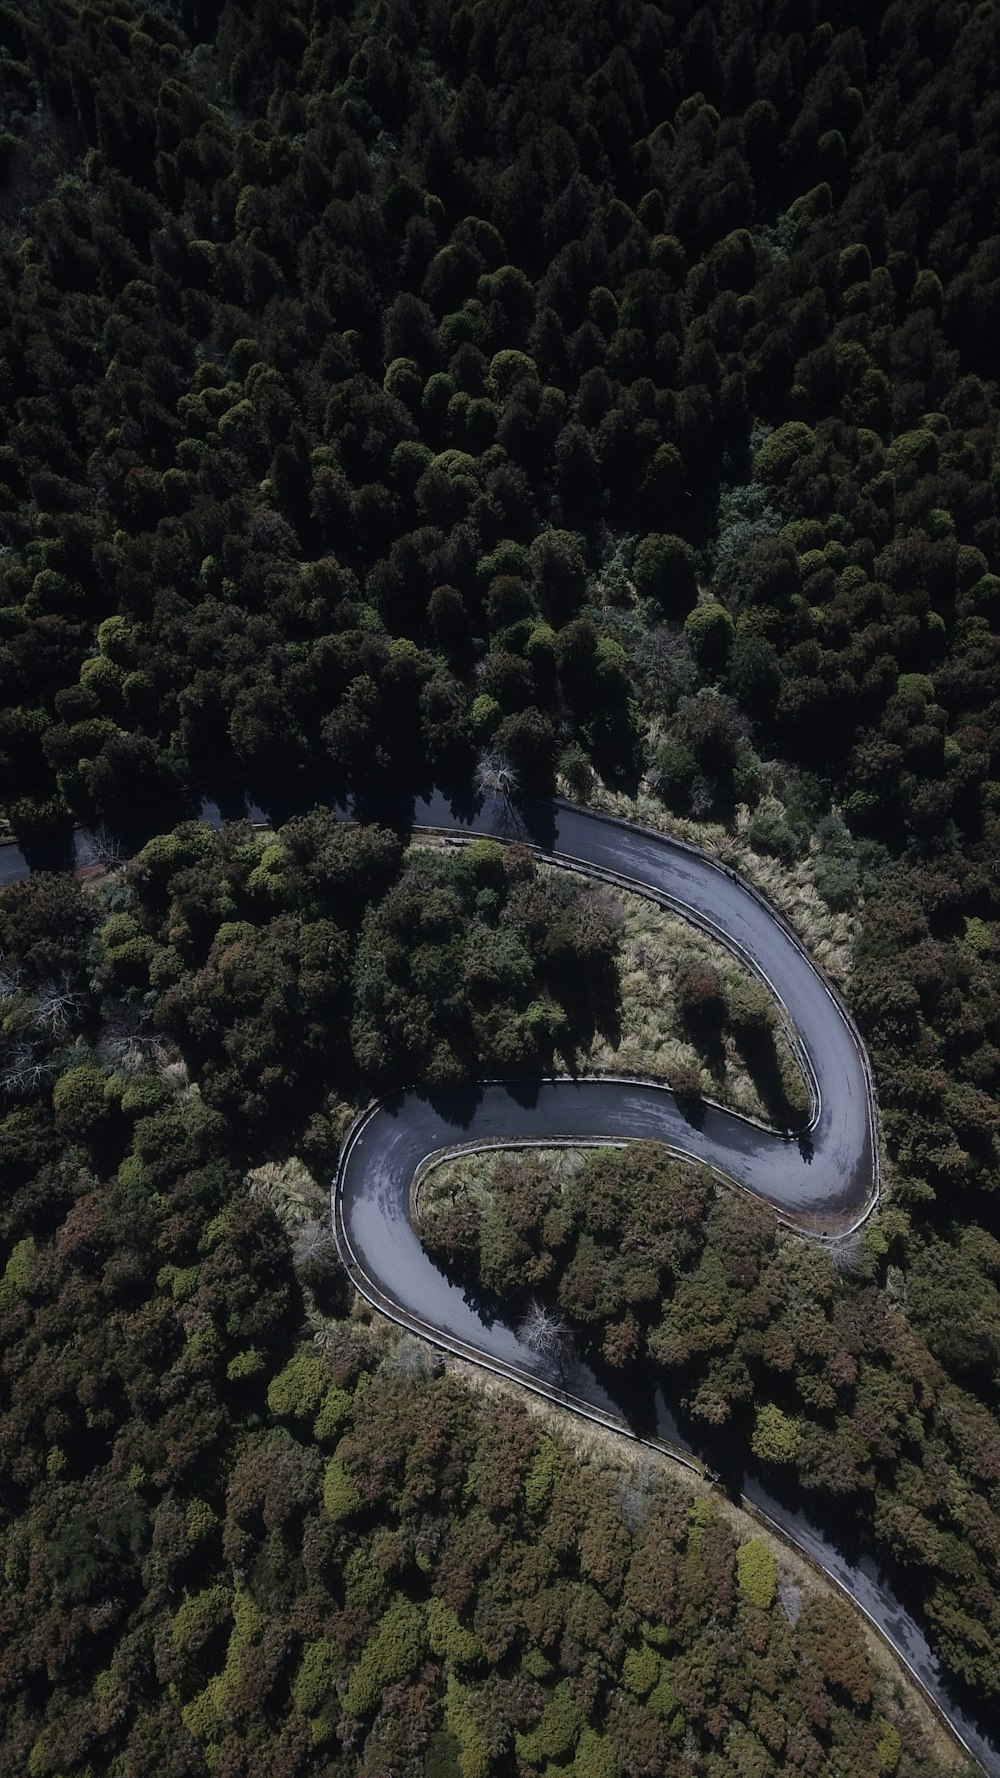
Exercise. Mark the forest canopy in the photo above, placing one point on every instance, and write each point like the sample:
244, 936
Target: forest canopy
607, 391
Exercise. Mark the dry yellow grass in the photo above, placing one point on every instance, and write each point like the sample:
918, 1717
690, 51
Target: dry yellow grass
827, 935
655, 944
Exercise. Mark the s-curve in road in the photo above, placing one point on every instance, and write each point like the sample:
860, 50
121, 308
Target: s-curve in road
823, 1180
823, 1177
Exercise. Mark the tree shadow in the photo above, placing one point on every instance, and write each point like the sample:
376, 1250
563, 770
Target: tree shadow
537, 817
464, 804
456, 1105
763, 1065
619, 773
691, 1106
710, 1042
395, 809
591, 1001
524, 1092
704, 1028
54, 851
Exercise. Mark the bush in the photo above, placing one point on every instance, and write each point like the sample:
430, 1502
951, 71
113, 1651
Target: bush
778, 456
545, 1470
19, 1271
78, 1100
314, 1685
340, 1493
709, 629
915, 453
397, 1647
641, 1670
663, 571
297, 1391
448, 1636
757, 1573
199, 1630
334, 1410
776, 1436
484, 861
555, 1736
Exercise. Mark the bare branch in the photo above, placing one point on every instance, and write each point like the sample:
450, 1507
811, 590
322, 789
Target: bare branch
545, 1332
10, 979
635, 1492
57, 1007
100, 849
314, 1249
789, 1596
413, 1360
129, 1044
848, 1253
23, 1071
495, 776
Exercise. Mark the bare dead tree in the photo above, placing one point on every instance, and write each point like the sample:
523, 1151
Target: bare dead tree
848, 1253
546, 1333
23, 1071
495, 776
414, 1360
10, 979
57, 1007
128, 1042
314, 1250
99, 849
635, 1492
789, 1596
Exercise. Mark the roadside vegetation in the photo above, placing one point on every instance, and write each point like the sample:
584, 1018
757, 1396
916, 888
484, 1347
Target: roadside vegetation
691, 1015
685, 1010
821, 905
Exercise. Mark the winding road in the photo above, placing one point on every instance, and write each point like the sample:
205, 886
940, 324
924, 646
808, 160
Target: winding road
822, 1180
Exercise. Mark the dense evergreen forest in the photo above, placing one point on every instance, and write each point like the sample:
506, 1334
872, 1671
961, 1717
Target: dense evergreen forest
605, 390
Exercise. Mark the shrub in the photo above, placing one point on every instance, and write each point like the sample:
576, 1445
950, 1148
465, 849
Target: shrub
397, 1647
340, 1493
555, 1736
757, 1573
709, 630
641, 1670
198, 1626
542, 1476
18, 1273
448, 1636
777, 457
776, 1436
314, 1685
296, 1392
78, 1099
915, 452
663, 570
334, 1410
